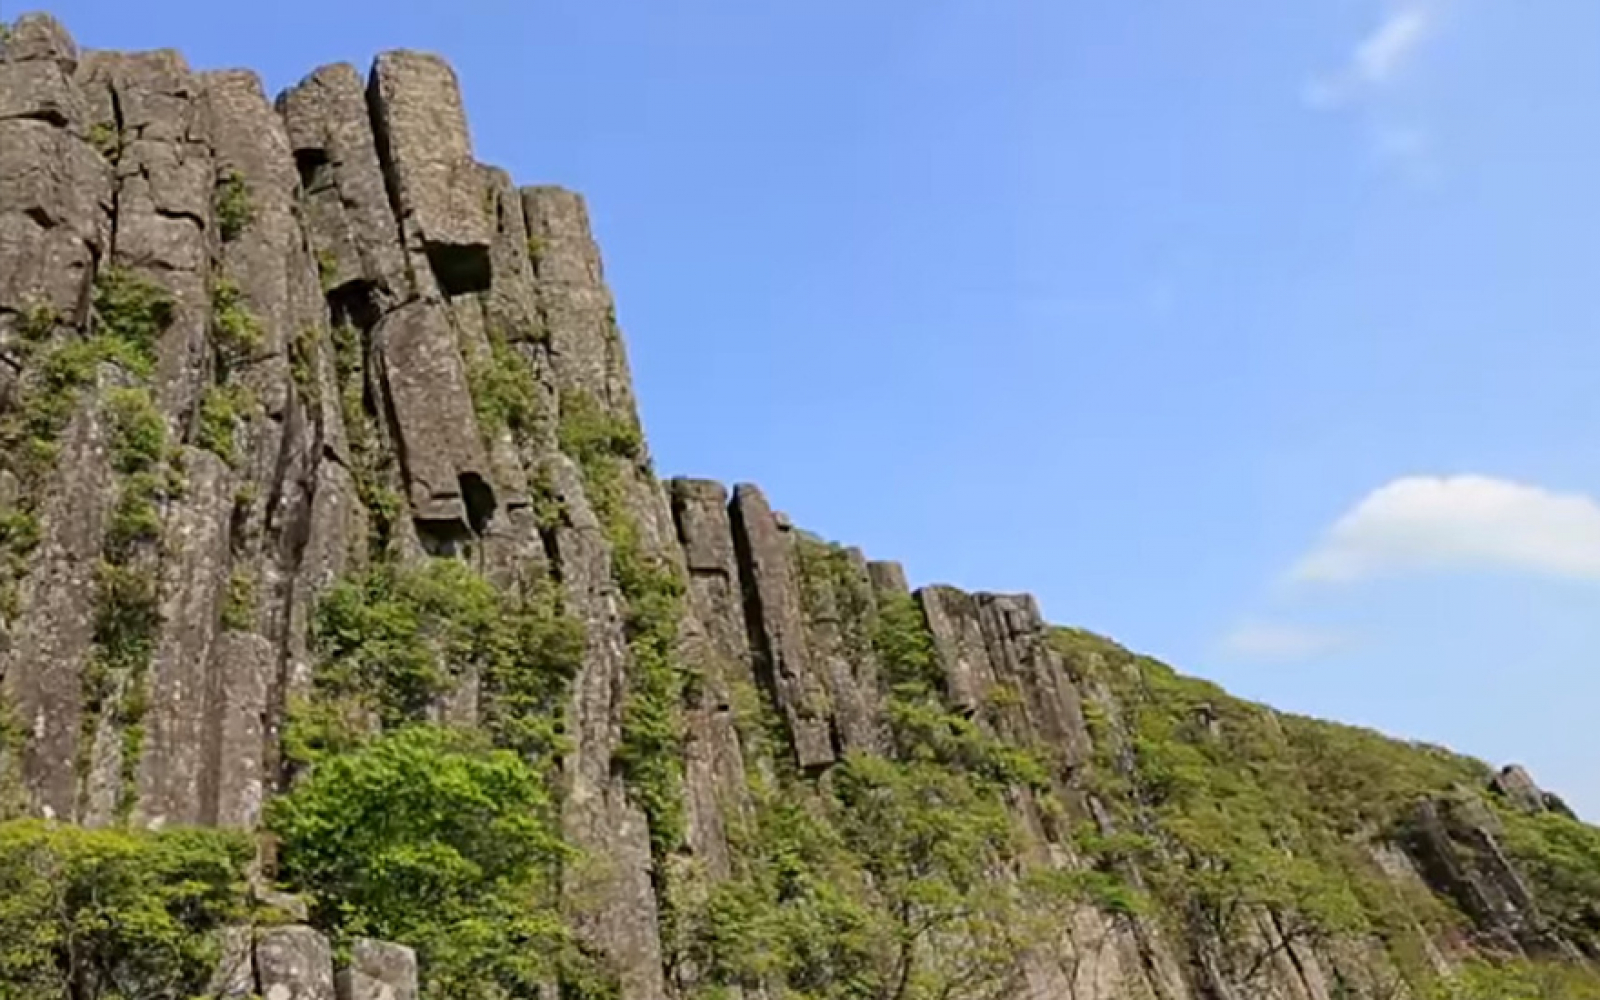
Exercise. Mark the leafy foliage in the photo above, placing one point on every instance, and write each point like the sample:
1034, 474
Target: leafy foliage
1521, 980
223, 410
384, 641
896, 877
129, 316
505, 393
112, 914
241, 601
231, 205
235, 329
428, 836
133, 314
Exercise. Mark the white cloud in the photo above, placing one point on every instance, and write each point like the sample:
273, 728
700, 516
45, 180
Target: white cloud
1278, 643
1372, 70
1380, 57
1430, 524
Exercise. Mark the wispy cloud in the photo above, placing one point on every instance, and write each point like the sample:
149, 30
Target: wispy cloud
1422, 524
1277, 642
1380, 57
1374, 66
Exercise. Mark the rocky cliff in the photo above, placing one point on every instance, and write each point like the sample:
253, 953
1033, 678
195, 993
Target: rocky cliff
317, 432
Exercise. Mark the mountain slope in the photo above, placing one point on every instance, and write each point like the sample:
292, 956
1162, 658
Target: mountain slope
332, 560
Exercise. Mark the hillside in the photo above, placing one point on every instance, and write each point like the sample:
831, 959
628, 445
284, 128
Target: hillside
350, 645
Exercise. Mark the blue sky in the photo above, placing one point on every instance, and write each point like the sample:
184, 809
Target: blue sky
1261, 336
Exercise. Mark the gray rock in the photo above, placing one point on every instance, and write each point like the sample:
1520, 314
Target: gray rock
576, 307
234, 977
294, 963
42, 90
54, 195
1514, 784
39, 37
427, 156
609, 892
42, 666
837, 600
1019, 647
164, 181
241, 672
717, 642
778, 627
179, 688
347, 212
285, 903
952, 618
378, 971
447, 473
889, 578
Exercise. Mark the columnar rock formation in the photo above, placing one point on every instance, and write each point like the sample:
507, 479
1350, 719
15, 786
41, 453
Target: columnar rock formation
344, 290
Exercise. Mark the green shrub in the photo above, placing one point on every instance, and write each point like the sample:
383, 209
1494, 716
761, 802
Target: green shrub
37, 322
235, 329
505, 394
240, 604
590, 435
114, 914
387, 643
223, 410
327, 269
231, 205
106, 140
133, 313
427, 837
303, 362
138, 431
1518, 980
1562, 857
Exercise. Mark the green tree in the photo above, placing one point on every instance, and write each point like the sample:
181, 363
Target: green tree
92, 914
429, 837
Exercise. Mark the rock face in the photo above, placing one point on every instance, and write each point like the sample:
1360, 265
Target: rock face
249, 348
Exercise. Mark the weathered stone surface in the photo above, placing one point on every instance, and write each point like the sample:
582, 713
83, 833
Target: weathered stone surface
511, 305
1456, 844
234, 977
609, 893
39, 36
1514, 784
55, 195
250, 144
889, 578
576, 307
836, 596
348, 217
952, 618
378, 971
42, 669
334, 542
447, 473
718, 645
164, 182
193, 578
42, 90
282, 904
242, 667
1020, 650
427, 156
778, 627
294, 963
